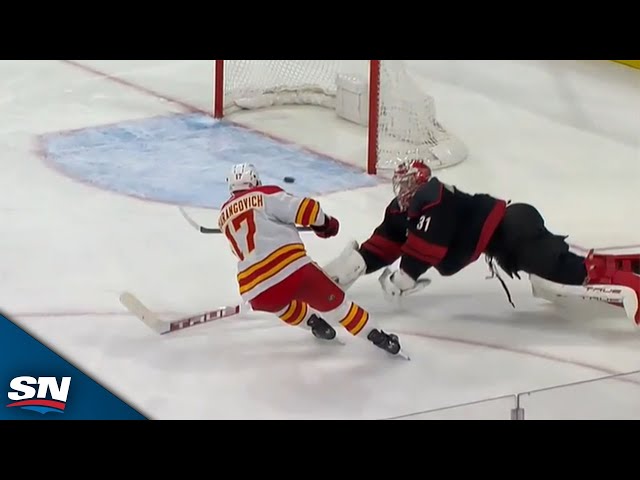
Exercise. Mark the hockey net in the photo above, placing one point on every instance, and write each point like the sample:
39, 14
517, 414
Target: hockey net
380, 95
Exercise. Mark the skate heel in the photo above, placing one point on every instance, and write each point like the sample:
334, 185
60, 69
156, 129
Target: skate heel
388, 342
320, 328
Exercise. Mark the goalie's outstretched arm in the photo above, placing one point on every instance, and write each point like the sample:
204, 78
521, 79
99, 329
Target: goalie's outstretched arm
381, 249
431, 225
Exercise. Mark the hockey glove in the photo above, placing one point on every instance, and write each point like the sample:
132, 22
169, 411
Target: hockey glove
347, 267
329, 229
399, 284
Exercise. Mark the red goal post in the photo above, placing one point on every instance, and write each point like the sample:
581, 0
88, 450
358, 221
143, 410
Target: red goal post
380, 95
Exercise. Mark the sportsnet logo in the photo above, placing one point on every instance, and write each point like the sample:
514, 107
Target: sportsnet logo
29, 398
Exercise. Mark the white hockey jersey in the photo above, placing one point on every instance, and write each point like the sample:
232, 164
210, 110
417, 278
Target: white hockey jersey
260, 225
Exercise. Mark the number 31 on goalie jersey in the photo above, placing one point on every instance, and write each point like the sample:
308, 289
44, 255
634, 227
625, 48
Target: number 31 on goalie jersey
423, 223
241, 232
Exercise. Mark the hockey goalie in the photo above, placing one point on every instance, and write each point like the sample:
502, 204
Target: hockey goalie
430, 224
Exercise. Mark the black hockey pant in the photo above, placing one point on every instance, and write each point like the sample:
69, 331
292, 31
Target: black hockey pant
522, 243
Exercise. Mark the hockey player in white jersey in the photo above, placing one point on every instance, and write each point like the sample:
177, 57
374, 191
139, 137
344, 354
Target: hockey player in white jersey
275, 274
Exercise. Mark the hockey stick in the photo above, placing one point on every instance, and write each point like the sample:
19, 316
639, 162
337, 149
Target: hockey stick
161, 327
197, 226
151, 320
210, 230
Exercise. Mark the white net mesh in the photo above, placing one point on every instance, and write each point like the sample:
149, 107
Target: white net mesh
407, 123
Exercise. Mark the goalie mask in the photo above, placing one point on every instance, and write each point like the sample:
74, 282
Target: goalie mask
407, 178
243, 176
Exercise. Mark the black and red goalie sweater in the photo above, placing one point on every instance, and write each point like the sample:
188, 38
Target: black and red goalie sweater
443, 227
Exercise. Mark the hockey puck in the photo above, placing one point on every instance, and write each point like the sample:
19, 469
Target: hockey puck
289, 179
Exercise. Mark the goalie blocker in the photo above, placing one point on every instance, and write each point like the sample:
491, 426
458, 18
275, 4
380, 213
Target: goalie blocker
433, 225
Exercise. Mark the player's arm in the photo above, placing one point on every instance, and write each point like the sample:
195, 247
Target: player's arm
430, 228
384, 246
431, 225
381, 249
300, 211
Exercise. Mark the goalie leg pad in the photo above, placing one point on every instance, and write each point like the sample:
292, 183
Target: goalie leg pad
618, 295
347, 267
615, 271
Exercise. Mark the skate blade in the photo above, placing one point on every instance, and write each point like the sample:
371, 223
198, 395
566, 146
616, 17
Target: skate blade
404, 356
334, 341
399, 355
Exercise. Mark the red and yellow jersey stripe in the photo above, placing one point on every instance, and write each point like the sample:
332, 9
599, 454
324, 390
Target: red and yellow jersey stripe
295, 313
307, 213
355, 320
268, 268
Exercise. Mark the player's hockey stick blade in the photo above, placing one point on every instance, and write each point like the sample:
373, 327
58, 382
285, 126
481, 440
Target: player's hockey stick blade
197, 226
211, 230
161, 327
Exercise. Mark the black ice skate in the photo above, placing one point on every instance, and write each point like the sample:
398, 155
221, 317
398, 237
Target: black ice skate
386, 341
320, 328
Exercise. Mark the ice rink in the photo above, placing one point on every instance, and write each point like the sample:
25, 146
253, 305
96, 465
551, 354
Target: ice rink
563, 135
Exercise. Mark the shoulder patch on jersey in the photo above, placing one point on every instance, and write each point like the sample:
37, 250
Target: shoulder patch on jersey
428, 195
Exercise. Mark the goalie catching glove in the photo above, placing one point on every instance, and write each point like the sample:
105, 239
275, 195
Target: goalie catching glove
350, 265
399, 283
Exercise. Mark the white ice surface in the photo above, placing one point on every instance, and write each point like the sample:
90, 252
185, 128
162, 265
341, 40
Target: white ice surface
561, 134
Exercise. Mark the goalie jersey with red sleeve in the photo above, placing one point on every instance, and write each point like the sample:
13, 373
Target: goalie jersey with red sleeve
260, 226
444, 228
448, 229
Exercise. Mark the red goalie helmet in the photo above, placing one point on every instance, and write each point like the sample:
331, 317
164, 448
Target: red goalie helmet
407, 178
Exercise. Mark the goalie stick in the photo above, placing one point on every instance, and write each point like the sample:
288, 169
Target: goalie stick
162, 327
211, 230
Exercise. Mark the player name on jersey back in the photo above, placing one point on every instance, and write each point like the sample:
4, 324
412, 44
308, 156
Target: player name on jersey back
260, 225
240, 205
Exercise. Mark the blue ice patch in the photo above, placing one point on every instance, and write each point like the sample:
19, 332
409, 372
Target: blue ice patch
184, 159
